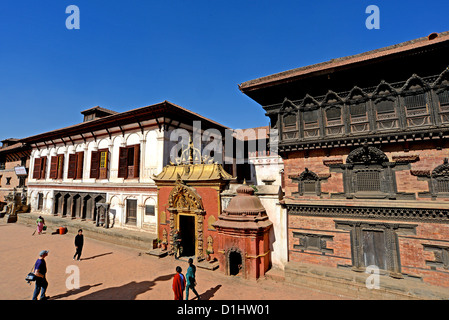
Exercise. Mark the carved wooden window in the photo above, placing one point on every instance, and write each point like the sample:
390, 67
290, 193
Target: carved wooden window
368, 181
290, 126
333, 116
309, 186
308, 183
386, 114
376, 244
310, 119
443, 186
443, 99
385, 109
311, 123
373, 249
439, 182
368, 174
441, 256
358, 117
417, 109
334, 121
312, 242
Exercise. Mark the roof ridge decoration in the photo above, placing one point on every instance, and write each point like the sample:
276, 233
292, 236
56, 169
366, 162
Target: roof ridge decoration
414, 78
440, 79
191, 166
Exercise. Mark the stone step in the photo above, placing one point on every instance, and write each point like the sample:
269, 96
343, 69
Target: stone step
275, 274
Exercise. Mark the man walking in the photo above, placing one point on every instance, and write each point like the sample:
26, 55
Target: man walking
79, 242
191, 280
40, 270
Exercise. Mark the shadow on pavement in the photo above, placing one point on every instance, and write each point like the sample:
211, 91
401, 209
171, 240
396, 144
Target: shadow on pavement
128, 291
98, 255
75, 291
210, 293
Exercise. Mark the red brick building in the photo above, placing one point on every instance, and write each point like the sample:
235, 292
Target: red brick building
364, 141
14, 167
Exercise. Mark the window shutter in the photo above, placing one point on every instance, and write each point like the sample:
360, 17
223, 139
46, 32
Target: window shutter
60, 166
104, 164
136, 160
37, 168
123, 163
54, 167
79, 165
43, 167
95, 165
71, 173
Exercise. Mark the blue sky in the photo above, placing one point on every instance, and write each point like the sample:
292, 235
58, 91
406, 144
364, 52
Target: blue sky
130, 54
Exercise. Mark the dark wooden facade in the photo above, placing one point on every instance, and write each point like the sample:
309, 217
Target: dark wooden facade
364, 140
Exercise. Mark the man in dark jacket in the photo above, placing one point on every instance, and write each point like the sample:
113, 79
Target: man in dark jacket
79, 242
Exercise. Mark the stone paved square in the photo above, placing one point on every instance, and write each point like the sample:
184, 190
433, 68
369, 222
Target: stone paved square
114, 272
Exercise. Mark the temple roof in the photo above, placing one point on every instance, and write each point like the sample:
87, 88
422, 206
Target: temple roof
193, 172
293, 74
244, 212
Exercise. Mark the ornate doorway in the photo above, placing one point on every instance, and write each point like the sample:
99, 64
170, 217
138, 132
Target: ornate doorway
186, 225
187, 215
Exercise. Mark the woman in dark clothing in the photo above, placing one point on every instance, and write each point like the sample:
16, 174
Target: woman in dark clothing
79, 242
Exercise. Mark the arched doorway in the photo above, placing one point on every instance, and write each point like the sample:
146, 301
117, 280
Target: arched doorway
187, 215
235, 262
187, 230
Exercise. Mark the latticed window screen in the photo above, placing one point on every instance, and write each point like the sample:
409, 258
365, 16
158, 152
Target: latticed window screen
310, 116
368, 181
290, 121
358, 110
385, 106
309, 186
443, 185
333, 113
416, 101
443, 97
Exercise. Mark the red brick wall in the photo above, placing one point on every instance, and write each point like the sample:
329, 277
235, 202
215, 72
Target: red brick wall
412, 255
428, 154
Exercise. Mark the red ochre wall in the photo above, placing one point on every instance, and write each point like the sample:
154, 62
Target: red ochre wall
211, 202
